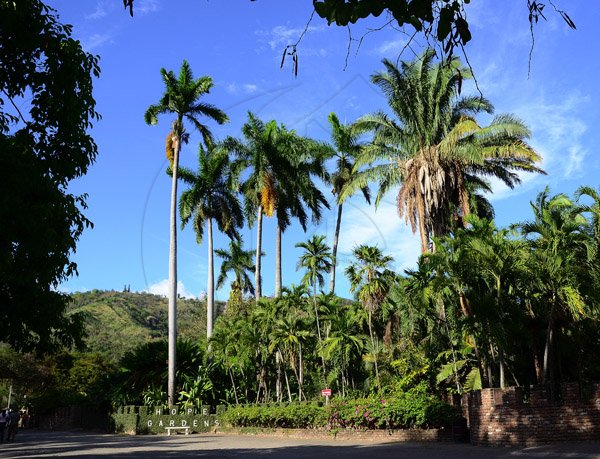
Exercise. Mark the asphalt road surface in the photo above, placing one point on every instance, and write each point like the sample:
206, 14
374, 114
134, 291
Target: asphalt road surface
36, 444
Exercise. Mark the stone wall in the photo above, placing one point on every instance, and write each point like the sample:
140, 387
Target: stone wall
514, 417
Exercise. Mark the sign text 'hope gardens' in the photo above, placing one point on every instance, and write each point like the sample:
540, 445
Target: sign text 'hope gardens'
188, 417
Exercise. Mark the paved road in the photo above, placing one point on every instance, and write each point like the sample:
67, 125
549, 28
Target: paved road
32, 444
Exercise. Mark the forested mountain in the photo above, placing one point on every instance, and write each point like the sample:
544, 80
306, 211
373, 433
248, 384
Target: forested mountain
116, 322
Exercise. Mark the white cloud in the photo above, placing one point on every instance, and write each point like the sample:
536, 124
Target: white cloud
363, 224
246, 88
281, 36
250, 88
391, 47
558, 132
97, 40
162, 288
100, 12
143, 7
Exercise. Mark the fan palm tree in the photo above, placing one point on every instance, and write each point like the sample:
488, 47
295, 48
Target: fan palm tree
211, 197
371, 279
347, 148
434, 144
181, 98
239, 261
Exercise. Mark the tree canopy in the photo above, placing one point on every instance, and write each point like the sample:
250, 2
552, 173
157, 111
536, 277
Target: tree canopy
43, 147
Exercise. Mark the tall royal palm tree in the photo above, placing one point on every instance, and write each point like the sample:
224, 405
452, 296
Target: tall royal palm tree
299, 195
266, 152
347, 148
433, 144
371, 279
211, 197
181, 98
239, 261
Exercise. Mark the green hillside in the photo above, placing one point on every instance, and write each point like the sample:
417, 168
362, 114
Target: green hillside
116, 322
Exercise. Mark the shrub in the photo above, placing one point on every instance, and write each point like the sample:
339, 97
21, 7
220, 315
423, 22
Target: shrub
299, 415
411, 409
401, 410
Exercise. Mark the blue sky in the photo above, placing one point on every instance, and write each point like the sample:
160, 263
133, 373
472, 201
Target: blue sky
239, 44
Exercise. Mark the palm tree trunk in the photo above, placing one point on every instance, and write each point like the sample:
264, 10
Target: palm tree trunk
301, 372
234, 388
422, 229
463, 198
316, 309
287, 384
539, 370
257, 278
373, 347
501, 362
336, 238
548, 352
173, 277
278, 263
210, 285
278, 391
318, 326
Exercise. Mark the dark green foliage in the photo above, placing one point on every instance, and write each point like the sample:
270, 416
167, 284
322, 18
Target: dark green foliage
44, 145
125, 419
400, 411
59, 380
118, 322
296, 415
145, 368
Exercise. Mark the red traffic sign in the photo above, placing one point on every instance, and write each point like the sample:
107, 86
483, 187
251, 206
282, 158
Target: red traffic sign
326, 392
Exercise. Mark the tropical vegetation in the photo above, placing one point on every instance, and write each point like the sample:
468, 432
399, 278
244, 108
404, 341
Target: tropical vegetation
484, 306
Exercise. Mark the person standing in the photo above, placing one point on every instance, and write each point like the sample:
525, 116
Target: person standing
13, 425
3, 421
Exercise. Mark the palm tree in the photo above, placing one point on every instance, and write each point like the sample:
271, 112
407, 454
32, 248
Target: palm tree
181, 98
557, 235
316, 260
297, 195
211, 198
347, 149
344, 340
263, 153
371, 279
288, 335
594, 210
435, 146
239, 261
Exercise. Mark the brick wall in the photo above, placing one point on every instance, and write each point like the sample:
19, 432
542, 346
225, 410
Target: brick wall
509, 417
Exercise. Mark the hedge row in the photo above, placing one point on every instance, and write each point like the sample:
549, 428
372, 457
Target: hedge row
400, 412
